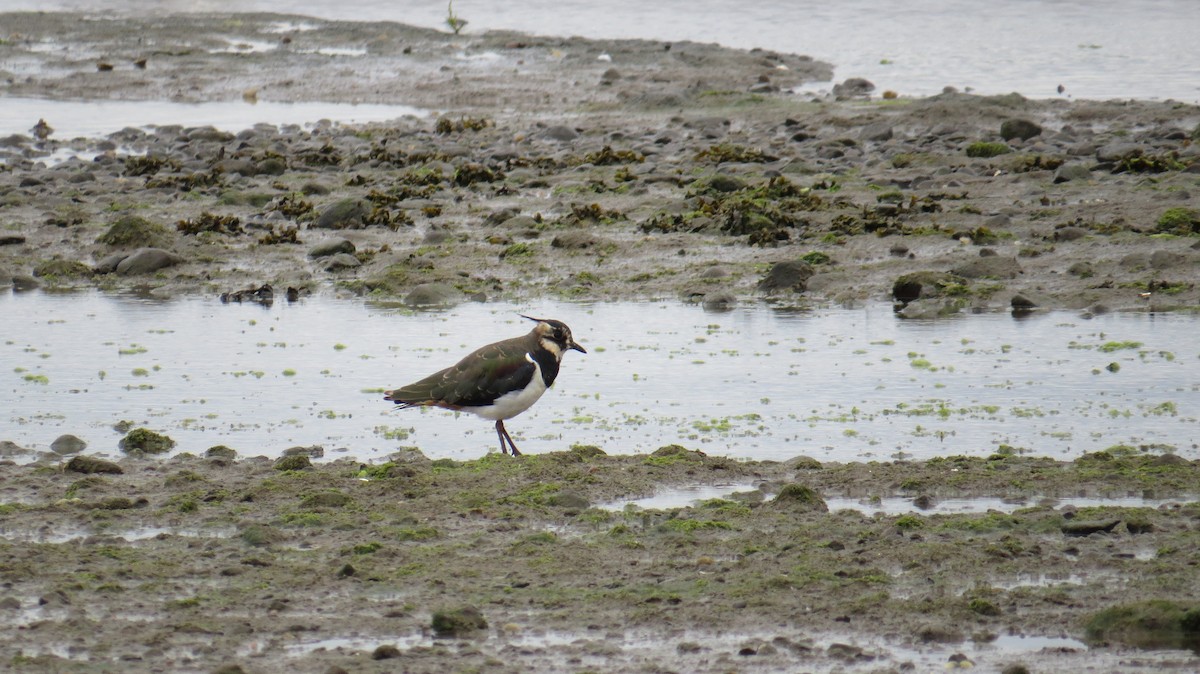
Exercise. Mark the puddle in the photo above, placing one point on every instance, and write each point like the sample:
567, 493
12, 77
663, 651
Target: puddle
1015, 644
693, 648
94, 119
67, 535
897, 505
1035, 580
269, 378
690, 495
680, 497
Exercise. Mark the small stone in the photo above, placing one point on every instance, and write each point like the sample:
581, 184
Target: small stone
295, 462
878, 132
1114, 152
343, 214
108, 264
90, 465
458, 621
9, 449
385, 652
1019, 128
331, 247
433, 295
798, 496
1069, 172
24, 282
787, 275
67, 444
1069, 233
1020, 301
1165, 259
147, 260
342, 261
1089, 528
220, 452
854, 87
560, 133
145, 441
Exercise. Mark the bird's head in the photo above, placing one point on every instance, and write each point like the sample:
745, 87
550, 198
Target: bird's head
554, 336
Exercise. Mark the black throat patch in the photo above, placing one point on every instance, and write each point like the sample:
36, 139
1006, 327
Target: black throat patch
548, 363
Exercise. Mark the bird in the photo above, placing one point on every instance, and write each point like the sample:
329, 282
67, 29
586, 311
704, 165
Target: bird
497, 381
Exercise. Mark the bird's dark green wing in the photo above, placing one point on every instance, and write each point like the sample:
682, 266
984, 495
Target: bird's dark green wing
476, 380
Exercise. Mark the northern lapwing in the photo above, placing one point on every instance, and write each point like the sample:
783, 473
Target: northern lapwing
498, 381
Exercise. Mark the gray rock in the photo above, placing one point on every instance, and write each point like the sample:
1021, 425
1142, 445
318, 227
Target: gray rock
1165, 259
560, 133
1082, 269
344, 214
331, 247
787, 275
854, 87
10, 449
109, 264
24, 282
719, 302
271, 166
342, 261
90, 465
147, 260
924, 285
1068, 172
1069, 233
433, 295
930, 308
990, 267
879, 131
1119, 151
1023, 301
436, 236
721, 182
67, 444
1133, 261
312, 451
242, 167
574, 240
1019, 128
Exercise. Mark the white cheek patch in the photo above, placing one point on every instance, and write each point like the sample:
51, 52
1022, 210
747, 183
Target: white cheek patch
552, 347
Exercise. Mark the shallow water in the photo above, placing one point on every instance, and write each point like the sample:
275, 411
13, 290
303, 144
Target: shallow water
690, 495
756, 382
625, 645
94, 119
1094, 48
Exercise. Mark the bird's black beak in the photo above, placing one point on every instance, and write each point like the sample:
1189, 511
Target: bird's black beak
575, 346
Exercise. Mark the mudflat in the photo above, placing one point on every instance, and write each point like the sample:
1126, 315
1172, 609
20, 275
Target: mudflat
594, 170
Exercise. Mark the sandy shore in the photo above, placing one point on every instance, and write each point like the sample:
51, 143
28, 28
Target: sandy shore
599, 171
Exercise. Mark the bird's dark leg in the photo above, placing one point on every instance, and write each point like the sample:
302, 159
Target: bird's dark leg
503, 433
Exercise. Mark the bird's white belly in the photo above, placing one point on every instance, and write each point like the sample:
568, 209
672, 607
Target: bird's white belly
513, 403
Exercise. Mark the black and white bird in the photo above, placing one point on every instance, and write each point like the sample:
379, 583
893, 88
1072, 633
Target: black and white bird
497, 381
